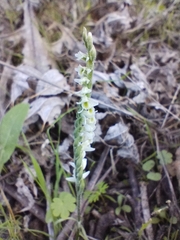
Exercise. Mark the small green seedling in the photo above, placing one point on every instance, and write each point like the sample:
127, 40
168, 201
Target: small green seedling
63, 205
164, 158
94, 196
153, 220
148, 166
122, 207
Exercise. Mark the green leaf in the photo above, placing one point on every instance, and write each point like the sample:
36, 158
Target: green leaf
68, 200
164, 157
102, 187
57, 206
120, 199
64, 213
154, 176
10, 128
40, 177
155, 220
143, 227
173, 220
147, 166
163, 214
126, 208
117, 210
63, 205
93, 196
48, 217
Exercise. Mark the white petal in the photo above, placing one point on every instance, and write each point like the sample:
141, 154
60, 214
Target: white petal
83, 93
85, 90
85, 174
93, 102
89, 149
89, 137
71, 179
80, 55
82, 80
84, 163
91, 121
89, 113
90, 128
72, 164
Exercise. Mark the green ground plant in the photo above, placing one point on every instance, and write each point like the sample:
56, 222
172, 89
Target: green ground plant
164, 158
121, 206
161, 215
97, 194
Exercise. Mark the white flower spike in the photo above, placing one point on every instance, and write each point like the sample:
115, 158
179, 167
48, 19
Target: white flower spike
85, 123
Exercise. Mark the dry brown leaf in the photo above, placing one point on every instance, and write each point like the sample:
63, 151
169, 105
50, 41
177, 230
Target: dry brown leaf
35, 49
118, 134
47, 108
67, 40
20, 77
54, 83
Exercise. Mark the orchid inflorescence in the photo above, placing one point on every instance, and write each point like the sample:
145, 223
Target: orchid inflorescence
85, 118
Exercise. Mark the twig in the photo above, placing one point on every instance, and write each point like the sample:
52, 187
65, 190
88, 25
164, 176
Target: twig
135, 192
145, 210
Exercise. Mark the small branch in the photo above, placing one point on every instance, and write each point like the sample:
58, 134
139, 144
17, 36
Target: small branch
145, 210
135, 192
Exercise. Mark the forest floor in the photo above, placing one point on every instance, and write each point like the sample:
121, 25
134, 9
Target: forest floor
133, 189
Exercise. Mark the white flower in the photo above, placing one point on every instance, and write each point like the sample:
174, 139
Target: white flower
83, 71
88, 136
89, 128
88, 103
91, 121
85, 174
83, 92
81, 81
89, 149
93, 102
90, 113
80, 55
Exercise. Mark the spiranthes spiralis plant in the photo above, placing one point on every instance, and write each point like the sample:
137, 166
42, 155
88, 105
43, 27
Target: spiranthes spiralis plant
85, 119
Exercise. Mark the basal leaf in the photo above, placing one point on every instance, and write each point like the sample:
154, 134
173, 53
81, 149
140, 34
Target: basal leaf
57, 206
120, 199
10, 128
147, 166
63, 205
154, 176
155, 220
64, 213
173, 220
117, 210
126, 208
164, 157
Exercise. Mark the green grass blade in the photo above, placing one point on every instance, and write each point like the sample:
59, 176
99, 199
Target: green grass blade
40, 177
